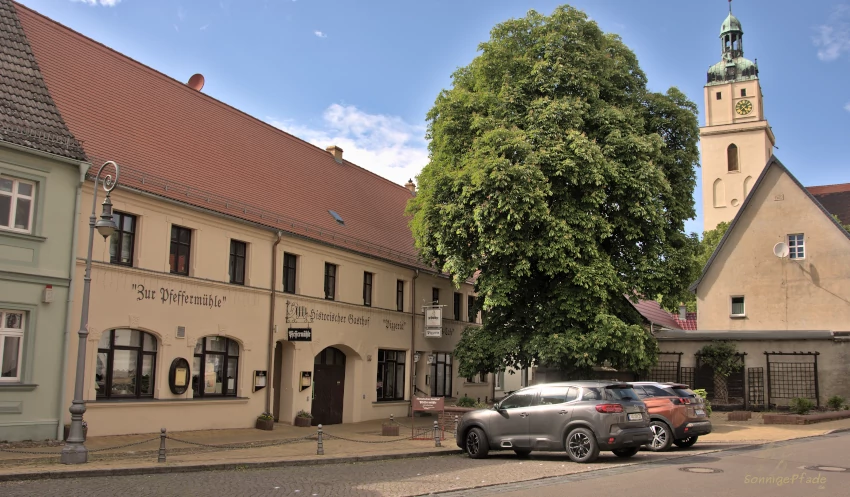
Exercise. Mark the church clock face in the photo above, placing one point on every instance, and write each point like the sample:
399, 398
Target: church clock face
744, 107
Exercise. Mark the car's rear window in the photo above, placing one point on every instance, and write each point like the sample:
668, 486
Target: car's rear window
622, 393
684, 392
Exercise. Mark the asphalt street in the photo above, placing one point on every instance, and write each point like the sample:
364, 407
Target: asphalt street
541, 475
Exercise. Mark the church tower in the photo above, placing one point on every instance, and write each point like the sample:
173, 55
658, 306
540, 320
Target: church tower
736, 141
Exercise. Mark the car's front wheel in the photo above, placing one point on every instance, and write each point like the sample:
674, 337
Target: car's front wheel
581, 445
685, 442
476, 444
662, 436
625, 452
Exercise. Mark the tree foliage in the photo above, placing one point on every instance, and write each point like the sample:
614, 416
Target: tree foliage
706, 246
556, 173
722, 357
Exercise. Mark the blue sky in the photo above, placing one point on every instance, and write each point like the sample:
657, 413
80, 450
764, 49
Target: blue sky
363, 75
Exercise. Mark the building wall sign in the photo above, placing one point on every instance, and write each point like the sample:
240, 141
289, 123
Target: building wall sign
179, 297
297, 313
394, 325
300, 335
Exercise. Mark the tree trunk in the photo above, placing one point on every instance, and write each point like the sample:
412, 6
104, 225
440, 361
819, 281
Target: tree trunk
721, 390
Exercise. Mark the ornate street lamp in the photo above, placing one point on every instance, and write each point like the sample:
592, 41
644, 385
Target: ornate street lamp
75, 451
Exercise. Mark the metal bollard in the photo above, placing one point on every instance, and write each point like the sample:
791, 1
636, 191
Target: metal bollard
392, 421
457, 421
436, 434
161, 457
320, 451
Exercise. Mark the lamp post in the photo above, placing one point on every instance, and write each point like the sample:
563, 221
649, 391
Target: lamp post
75, 451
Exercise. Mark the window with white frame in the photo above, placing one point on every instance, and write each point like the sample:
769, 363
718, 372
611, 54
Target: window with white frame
17, 198
11, 344
797, 246
738, 309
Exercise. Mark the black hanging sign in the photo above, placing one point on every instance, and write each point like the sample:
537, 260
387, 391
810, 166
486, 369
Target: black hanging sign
300, 335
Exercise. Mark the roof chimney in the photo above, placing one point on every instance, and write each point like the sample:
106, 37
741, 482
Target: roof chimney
683, 312
337, 153
410, 185
196, 82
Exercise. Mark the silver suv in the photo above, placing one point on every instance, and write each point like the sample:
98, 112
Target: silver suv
581, 417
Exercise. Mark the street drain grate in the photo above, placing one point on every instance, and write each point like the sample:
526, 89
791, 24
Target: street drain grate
830, 469
697, 469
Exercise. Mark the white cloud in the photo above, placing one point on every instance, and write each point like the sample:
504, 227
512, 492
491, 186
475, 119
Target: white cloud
176, 28
105, 3
847, 107
320, 34
833, 38
204, 27
181, 14
386, 145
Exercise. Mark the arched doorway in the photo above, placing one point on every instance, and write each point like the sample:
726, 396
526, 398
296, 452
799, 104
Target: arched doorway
328, 386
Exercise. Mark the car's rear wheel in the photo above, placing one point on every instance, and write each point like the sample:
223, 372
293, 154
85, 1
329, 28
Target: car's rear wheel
662, 436
522, 452
625, 452
476, 444
582, 446
686, 442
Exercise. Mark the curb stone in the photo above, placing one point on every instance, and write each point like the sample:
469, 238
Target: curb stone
193, 468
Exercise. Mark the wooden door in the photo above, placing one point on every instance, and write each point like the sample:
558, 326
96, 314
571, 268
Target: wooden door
328, 387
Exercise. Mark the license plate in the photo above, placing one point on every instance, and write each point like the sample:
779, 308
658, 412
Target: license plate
635, 416
700, 412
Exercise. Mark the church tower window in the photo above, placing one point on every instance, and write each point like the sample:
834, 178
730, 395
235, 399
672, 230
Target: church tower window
732, 158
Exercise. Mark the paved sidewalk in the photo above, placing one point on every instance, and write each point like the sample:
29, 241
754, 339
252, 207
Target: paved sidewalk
287, 445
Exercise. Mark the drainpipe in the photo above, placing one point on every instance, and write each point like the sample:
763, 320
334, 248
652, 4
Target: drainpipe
69, 304
413, 338
270, 368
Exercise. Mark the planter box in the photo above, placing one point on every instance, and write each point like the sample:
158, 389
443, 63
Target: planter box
265, 424
739, 416
303, 422
388, 430
806, 419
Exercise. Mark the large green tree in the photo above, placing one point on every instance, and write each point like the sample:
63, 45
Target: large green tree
556, 173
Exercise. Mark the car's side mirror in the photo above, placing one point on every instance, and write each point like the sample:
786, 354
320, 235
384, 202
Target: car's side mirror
497, 406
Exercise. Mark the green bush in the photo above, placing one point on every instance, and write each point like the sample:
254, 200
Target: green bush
801, 406
466, 401
704, 396
835, 402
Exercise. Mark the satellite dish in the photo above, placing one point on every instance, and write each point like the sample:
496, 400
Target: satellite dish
780, 250
196, 82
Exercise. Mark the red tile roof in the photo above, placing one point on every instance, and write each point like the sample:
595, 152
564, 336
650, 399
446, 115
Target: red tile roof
689, 323
652, 311
176, 142
28, 115
835, 199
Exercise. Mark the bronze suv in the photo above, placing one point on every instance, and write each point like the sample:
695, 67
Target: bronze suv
677, 415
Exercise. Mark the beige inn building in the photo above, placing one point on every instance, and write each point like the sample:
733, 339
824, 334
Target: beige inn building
252, 272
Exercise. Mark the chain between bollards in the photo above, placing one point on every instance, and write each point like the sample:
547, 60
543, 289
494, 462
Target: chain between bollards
161, 457
436, 434
320, 450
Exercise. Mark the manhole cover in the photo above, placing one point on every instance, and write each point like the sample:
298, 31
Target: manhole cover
692, 469
831, 469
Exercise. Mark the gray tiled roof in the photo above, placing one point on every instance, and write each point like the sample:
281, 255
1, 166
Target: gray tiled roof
28, 115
